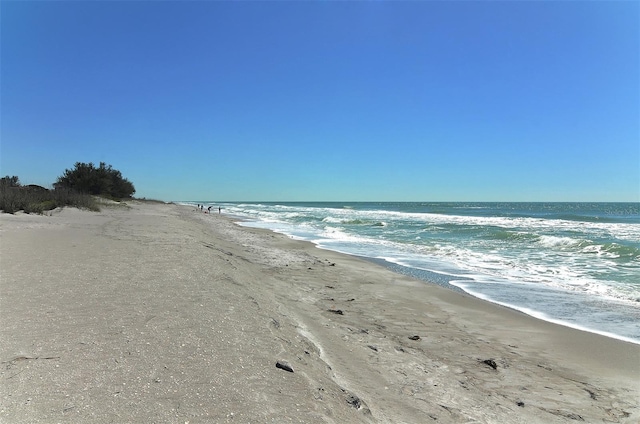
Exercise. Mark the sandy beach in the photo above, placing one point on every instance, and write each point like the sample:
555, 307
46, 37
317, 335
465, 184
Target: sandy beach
156, 313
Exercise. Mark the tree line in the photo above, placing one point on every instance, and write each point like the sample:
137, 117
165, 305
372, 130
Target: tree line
75, 187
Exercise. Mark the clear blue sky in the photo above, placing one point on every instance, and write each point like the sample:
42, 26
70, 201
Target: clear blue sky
425, 101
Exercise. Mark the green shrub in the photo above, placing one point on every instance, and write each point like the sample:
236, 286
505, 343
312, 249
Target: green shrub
47, 205
36, 199
68, 197
102, 181
33, 208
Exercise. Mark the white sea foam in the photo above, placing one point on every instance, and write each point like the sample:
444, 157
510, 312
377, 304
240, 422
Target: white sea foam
466, 286
599, 260
555, 241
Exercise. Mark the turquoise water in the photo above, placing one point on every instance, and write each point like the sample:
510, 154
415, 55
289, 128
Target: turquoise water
577, 264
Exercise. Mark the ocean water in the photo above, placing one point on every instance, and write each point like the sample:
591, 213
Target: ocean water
576, 264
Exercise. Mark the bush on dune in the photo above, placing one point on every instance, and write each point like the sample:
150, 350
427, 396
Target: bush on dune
35, 199
101, 181
75, 188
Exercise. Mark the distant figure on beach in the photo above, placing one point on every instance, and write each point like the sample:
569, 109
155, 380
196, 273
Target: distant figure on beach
209, 209
219, 210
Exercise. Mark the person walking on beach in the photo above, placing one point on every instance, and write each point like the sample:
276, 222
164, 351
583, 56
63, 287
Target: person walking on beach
219, 210
209, 209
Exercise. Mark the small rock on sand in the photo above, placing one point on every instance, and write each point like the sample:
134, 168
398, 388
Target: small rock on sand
491, 363
283, 365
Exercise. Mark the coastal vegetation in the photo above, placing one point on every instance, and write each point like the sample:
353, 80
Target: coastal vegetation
77, 187
101, 181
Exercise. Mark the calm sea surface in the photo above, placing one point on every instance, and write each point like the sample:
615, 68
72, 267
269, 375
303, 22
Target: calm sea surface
577, 264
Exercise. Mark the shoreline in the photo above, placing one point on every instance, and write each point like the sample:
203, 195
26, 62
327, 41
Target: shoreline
563, 329
158, 313
532, 314
430, 278
446, 286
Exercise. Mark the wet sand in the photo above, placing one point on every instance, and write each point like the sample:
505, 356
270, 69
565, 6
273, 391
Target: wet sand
158, 313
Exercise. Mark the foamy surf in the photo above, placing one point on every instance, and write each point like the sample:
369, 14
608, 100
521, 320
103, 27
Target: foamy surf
543, 257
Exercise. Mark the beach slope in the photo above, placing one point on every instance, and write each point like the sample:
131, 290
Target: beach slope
150, 312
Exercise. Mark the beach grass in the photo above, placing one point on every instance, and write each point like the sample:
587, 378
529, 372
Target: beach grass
37, 200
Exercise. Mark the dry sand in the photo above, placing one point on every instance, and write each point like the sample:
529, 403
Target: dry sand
157, 313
